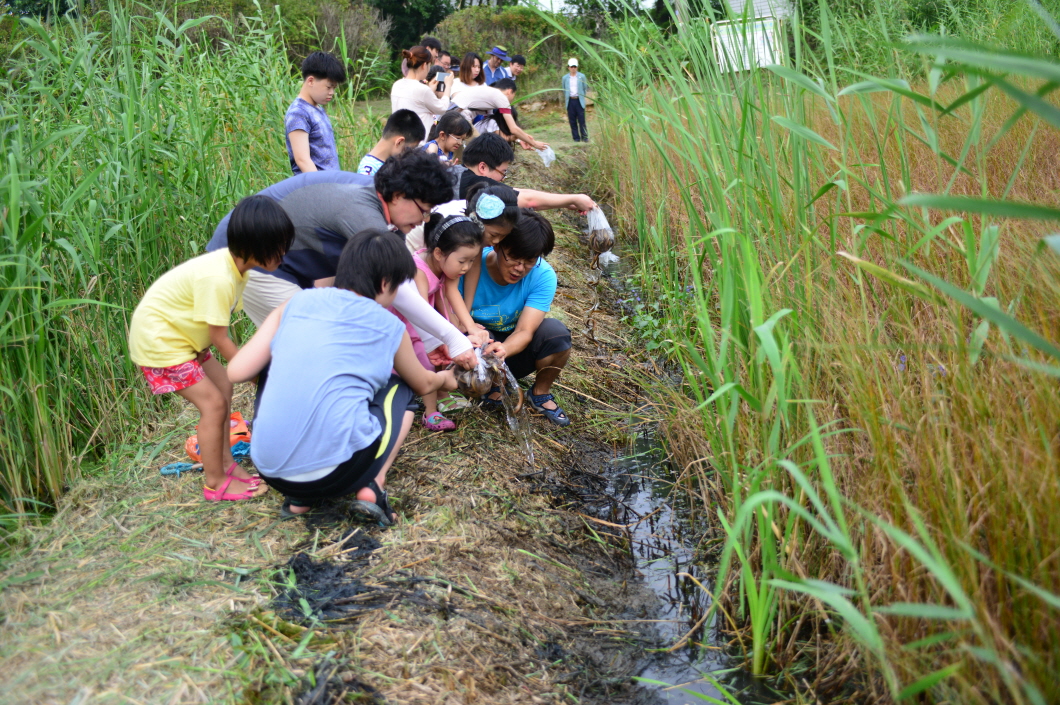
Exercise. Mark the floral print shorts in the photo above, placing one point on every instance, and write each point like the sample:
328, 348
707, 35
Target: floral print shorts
163, 380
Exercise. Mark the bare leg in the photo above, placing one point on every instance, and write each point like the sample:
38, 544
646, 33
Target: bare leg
212, 396
548, 369
430, 403
213, 432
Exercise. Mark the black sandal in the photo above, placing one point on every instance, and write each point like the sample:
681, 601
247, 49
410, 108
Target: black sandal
285, 508
379, 511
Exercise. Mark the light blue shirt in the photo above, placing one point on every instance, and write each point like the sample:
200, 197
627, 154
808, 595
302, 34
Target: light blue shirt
334, 350
369, 164
498, 306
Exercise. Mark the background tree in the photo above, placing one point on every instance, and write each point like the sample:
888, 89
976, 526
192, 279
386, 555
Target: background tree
411, 19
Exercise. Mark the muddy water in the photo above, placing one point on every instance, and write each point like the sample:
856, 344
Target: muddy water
664, 551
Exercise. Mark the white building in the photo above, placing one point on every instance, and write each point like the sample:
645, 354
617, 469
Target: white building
780, 9
742, 44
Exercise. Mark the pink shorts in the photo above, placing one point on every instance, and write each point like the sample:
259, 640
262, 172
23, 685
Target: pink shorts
163, 380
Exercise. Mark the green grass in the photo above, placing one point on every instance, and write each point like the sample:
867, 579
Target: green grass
835, 252
124, 143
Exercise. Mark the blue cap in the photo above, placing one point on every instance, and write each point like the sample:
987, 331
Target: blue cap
501, 53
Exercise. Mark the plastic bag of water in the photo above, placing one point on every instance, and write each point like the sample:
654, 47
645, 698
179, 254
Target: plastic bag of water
601, 236
476, 381
547, 156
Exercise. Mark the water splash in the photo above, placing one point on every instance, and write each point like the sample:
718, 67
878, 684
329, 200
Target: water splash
516, 420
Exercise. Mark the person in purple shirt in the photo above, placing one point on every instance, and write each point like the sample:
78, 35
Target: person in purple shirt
310, 139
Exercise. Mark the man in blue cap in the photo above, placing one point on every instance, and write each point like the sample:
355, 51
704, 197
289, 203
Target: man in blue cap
493, 71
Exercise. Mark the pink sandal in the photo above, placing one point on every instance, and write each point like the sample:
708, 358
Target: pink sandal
222, 493
254, 481
437, 422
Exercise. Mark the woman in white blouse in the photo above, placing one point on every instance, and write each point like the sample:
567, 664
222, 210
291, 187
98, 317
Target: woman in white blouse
470, 73
415, 94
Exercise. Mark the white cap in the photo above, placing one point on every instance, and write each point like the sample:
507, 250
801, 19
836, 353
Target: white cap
572, 62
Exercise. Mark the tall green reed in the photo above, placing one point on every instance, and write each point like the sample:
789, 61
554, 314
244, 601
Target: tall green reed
123, 143
742, 189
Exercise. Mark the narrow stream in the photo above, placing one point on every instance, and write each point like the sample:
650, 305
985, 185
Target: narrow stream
663, 546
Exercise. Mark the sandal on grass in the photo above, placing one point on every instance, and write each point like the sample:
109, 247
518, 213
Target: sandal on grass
437, 422
285, 508
222, 493
488, 403
452, 403
379, 510
557, 416
254, 480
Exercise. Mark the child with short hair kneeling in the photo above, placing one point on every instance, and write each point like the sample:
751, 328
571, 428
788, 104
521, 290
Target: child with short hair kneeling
186, 311
332, 415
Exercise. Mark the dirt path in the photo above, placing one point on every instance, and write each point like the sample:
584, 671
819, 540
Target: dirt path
492, 589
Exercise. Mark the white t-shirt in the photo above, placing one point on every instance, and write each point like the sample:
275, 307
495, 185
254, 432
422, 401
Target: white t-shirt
410, 94
482, 99
458, 86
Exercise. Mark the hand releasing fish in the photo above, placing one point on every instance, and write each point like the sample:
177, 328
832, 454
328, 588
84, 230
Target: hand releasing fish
488, 372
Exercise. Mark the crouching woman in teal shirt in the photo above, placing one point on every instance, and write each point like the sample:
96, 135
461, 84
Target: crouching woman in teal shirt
514, 293
332, 415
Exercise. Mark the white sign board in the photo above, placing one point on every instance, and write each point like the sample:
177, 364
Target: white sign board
742, 45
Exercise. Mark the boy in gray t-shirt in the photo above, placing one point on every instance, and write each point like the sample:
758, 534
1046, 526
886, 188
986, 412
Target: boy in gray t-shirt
310, 139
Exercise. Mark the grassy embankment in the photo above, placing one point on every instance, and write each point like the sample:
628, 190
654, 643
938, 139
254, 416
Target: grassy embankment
879, 448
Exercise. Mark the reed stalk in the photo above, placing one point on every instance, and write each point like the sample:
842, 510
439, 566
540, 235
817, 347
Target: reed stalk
858, 242
123, 143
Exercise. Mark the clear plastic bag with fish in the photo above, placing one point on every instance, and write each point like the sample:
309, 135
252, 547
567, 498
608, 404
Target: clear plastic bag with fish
547, 156
489, 371
477, 381
601, 239
601, 236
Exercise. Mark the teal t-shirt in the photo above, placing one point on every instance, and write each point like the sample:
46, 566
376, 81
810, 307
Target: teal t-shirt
498, 306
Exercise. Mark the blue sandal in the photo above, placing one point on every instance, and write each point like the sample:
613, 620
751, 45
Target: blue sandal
557, 416
488, 403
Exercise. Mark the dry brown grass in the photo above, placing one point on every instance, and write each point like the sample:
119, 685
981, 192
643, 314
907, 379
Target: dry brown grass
972, 448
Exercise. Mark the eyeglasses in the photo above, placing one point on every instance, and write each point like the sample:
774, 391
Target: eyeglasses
425, 213
502, 173
520, 262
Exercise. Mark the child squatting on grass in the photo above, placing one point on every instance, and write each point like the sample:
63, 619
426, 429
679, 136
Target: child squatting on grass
453, 245
332, 414
189, 309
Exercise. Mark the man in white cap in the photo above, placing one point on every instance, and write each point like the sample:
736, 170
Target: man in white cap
493, 71
575, 86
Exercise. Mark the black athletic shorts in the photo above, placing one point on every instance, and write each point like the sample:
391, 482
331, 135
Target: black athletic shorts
550, 338
389, 406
